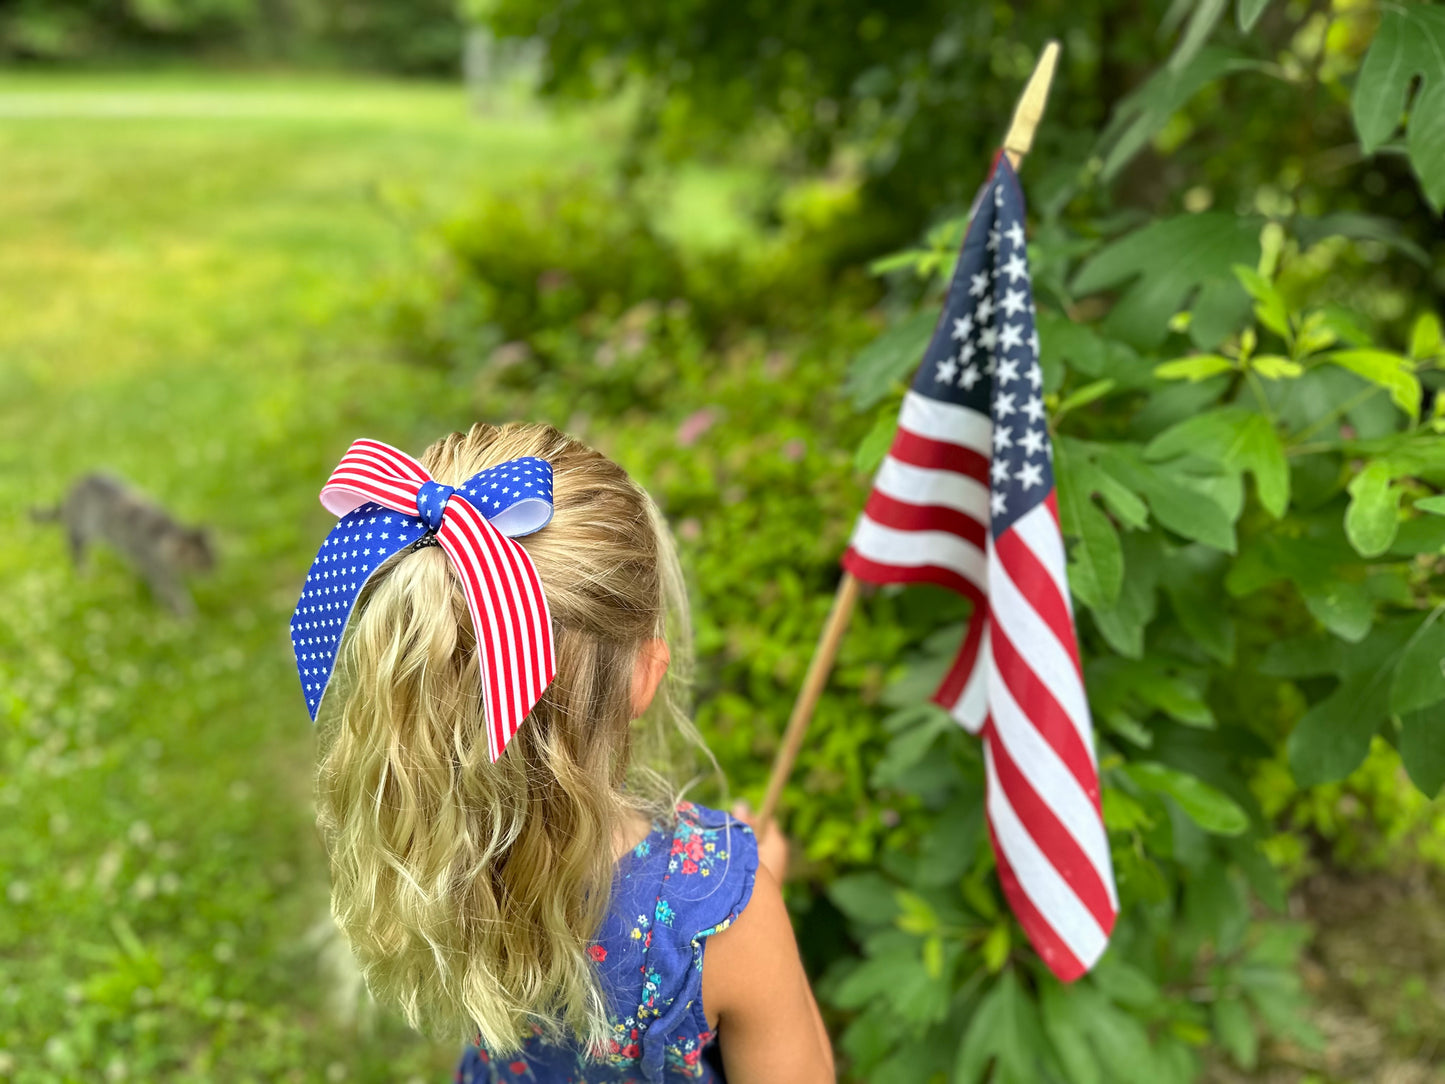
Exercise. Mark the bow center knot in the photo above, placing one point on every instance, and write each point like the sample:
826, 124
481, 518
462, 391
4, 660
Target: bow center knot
431, 503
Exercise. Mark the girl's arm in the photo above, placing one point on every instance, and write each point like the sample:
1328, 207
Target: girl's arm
768, 1024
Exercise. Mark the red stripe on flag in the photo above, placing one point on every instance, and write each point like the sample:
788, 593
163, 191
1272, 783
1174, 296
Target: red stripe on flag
902, 516
1051, 502
920, 451
1055, 841
877, 572
1048, 944
958, 674
1038, 587
1044, 711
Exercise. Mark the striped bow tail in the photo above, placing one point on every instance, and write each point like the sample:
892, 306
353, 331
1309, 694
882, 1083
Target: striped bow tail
387, 501
965, 499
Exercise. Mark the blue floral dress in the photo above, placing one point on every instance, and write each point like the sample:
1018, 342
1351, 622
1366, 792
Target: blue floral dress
673, 890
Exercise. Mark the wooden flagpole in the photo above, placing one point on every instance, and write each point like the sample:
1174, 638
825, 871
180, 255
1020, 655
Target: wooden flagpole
1016, 144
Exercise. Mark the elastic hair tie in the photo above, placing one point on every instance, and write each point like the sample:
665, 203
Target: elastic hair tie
387, 503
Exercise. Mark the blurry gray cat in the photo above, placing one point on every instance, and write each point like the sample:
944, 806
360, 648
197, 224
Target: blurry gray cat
102, 508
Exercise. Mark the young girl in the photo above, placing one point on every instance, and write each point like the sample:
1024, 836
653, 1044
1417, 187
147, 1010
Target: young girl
513, 872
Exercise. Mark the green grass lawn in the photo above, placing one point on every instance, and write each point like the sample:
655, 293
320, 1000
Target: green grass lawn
189, 296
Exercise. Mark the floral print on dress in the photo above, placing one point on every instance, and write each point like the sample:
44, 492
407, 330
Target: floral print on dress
679, 886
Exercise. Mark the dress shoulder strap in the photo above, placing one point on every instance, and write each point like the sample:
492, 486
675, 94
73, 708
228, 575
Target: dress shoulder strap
707, 882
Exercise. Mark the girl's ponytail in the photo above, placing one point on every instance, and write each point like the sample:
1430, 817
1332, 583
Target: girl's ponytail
469, 890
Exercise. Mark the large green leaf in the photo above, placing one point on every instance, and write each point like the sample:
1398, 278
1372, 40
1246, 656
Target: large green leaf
1191, 505
1154, 683
1249, 12
1123, 623
1211, 809
1146, 110
879, 439
1239, 439
1202, 21
1194, 586
1382, 86
1374, 512
1119, 1037
1311, 231
1427, 142
1390, 371
1333, 736
1062, 1009
889, 358
1235, 1027
1004, 1031
1079, 347
866, 898
1096, 563
1171, 259
947, 850
1420, 676
1345, 607
1422, 748
1409, 45
1096, 1039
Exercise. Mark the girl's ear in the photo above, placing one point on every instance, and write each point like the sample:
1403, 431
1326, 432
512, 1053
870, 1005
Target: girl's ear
647, 673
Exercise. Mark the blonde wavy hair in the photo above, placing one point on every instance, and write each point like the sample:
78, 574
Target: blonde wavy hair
470, 891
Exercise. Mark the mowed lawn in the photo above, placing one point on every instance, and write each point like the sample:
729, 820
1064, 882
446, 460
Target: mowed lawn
193, 281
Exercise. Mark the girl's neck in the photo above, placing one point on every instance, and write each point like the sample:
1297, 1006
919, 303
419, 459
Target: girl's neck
632, 830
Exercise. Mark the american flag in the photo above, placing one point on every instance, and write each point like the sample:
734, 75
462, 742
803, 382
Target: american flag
965, 499
387, 503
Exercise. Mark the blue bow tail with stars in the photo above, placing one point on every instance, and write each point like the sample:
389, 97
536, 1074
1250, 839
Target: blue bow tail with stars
387, 501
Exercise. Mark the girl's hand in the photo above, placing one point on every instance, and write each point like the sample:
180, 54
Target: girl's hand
772, 845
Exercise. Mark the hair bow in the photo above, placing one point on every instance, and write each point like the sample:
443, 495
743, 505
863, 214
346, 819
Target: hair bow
387, 502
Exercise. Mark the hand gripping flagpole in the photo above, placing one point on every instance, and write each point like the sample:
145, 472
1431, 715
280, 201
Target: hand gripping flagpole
1016, 144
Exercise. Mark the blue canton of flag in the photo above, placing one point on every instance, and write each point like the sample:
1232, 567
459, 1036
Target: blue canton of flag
984, 355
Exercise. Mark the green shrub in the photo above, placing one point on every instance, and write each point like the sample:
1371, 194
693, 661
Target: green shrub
411, 37
1241, 372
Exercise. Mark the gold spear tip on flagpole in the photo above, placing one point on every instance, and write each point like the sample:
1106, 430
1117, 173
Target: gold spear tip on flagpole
1030, 109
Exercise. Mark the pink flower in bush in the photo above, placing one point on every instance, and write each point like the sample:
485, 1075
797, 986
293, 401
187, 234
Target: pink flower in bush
552, 280
694, 426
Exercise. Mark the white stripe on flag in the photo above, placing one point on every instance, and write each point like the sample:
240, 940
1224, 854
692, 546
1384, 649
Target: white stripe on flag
971, 707
1049, 659
1051, 779
914, 549
925, 485
947, 422
1041, 534
1050, 894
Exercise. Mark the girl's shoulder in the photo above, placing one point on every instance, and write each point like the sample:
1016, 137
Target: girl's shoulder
712, 863
700, 862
